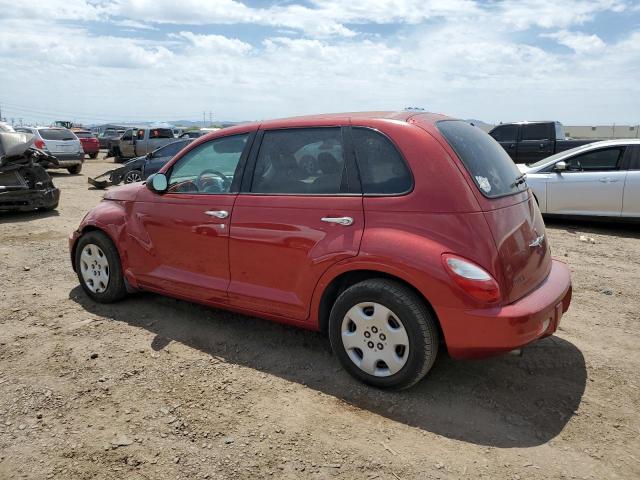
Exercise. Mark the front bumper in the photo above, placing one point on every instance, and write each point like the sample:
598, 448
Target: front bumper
27, 200
73, 238
491, 331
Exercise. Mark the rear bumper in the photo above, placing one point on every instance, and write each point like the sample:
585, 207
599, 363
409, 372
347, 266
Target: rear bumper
485, 332
67, 160
90, 147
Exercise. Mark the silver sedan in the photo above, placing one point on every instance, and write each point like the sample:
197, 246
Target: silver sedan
601, 179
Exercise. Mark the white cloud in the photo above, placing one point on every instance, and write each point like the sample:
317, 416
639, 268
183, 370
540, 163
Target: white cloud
578, 42
522, 14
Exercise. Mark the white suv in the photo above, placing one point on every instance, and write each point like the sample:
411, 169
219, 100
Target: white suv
59, 142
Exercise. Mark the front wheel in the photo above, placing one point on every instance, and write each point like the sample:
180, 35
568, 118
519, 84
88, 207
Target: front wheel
383, 334
93, 155
98, 267
75, 170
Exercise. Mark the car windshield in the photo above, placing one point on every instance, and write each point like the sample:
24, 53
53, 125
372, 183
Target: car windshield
56, 134
490, 166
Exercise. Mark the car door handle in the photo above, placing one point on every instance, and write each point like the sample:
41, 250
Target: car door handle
608, 180
217, 213
346, 221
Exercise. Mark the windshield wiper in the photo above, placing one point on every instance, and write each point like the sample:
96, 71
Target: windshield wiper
522, 178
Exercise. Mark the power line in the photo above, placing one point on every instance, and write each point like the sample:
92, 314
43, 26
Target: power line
37, 111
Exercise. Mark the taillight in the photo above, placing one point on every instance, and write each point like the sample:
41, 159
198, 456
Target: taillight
474, 280
39, 144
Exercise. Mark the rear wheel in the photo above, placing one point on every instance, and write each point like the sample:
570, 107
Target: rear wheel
93, 155
383, 334
76, 169
99, 269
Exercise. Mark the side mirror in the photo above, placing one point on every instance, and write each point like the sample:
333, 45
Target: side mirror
149, 155
157, 183
560, 166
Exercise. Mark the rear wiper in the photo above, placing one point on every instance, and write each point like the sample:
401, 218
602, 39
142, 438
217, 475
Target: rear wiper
519, 179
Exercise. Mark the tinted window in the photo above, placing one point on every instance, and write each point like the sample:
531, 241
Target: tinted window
490, 166
170, 150
303, 160
605, 159
208, 168
83, 134
56, 134
382, 169
535, 131
506, 133
161, 133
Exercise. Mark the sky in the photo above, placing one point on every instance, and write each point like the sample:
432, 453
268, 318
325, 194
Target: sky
95, 61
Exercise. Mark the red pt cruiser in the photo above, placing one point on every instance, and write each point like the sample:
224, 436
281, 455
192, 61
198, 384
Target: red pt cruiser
396, 233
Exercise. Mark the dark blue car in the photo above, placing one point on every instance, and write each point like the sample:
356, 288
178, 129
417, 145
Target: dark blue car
139, 168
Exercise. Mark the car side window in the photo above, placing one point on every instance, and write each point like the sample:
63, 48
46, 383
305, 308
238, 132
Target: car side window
209, 168
596, 161
505, 133
382, 168
635, 158
170, 150
300, 161
535, 131
128, 135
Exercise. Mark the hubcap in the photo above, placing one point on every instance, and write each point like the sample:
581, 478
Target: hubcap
94, 267
132, 177
375, 339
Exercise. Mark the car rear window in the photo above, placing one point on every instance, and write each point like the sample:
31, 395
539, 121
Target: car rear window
56, 134
160, 133
84, 134
490, 166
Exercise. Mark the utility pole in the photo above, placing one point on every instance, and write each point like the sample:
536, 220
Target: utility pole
210, 117
20, 121
204, 119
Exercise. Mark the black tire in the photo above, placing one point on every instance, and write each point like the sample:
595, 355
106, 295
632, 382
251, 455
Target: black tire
93, 155
75, 170
50, 208
414, 315
132, 176
116, 288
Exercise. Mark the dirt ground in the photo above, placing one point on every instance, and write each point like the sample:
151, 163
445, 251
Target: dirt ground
159, 388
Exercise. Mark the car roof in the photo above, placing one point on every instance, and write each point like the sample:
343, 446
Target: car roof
587, 147
346, 117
